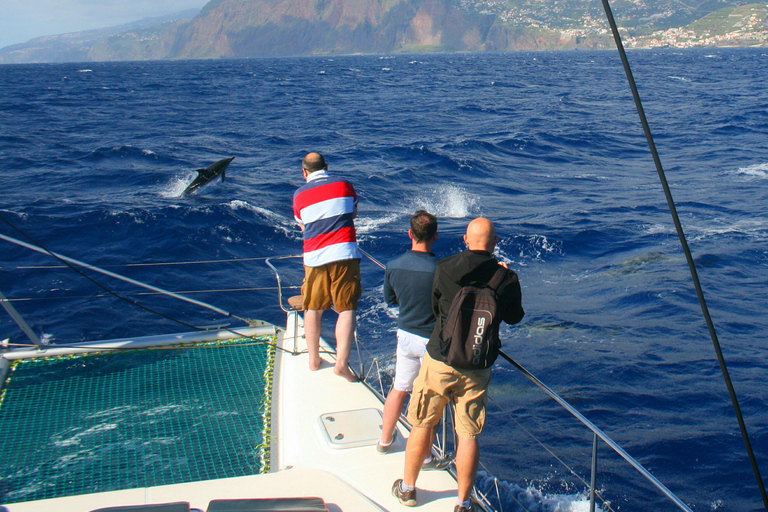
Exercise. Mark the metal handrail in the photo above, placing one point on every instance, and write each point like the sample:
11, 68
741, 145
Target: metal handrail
280, 299
279, 279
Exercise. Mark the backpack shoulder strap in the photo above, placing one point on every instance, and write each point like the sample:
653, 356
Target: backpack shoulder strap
498, 276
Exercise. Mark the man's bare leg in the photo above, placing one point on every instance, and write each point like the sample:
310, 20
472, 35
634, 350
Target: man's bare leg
418, 448
345, 337
393, 406
312, 323
467, 458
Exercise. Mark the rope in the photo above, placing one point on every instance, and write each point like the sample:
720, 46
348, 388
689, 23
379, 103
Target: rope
686, 250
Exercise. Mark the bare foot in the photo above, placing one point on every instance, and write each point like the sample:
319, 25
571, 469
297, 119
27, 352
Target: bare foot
346, 373
314, 366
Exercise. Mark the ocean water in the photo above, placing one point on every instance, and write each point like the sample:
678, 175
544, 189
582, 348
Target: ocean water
547, 145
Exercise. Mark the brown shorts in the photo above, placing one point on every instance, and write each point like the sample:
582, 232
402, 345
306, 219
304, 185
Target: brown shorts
337, 282
433, 388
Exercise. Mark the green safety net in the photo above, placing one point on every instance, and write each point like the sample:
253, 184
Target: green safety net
121, 420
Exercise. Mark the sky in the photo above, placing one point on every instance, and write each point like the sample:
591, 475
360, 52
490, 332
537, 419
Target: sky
22, 20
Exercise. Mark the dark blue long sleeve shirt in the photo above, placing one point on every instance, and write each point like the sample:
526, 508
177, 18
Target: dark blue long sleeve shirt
408, 283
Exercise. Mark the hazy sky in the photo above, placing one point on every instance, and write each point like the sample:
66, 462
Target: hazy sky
22, 20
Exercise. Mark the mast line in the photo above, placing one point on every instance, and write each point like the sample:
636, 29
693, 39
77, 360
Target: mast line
686, 250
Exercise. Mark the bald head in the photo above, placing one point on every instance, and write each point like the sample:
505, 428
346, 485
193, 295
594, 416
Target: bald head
313, 162
481, 235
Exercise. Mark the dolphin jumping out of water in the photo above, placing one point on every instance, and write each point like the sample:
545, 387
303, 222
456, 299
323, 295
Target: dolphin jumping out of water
205, 176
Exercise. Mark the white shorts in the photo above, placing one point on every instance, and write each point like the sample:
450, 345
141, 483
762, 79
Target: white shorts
410, 352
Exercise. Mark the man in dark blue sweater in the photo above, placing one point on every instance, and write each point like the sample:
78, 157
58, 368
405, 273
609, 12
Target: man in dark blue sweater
408, 284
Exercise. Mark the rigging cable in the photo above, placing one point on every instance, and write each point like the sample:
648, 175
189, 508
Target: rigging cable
686, 249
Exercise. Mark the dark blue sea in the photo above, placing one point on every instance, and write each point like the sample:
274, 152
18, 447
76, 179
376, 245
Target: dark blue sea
549, 146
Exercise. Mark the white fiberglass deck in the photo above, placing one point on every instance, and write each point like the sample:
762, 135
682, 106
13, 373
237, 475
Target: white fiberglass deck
306, 396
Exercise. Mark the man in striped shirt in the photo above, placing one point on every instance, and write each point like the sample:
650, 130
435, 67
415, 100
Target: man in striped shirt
325, 209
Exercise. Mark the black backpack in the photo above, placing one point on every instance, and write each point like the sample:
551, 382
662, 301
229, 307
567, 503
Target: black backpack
470, 336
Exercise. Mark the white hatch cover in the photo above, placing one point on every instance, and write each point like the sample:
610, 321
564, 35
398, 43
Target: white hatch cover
350, 429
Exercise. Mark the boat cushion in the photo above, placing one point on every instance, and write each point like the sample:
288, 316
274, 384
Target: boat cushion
179, 506
269, 505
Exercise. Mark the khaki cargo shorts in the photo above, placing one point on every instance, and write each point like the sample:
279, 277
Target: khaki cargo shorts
433, 389
337, 283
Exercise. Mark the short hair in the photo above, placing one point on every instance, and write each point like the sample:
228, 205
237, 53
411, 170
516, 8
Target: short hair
313, 162
423, 226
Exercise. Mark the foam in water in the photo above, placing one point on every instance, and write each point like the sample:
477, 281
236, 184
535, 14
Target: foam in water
756, 171
534, 500
753, 228
284, 224
365, 225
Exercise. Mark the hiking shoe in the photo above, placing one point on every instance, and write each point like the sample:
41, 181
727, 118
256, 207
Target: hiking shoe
385, 449
437, 464
407, 498
462, 508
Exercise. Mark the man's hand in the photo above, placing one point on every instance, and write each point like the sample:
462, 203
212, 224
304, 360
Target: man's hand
504, 264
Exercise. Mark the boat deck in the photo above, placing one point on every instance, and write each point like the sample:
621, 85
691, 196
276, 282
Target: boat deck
305, 397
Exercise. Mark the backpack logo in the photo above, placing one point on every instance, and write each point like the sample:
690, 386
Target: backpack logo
478, 341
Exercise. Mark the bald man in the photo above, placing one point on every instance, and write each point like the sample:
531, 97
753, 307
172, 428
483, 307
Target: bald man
439, 384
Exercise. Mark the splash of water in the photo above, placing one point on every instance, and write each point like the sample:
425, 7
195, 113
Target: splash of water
176, 185
447, 201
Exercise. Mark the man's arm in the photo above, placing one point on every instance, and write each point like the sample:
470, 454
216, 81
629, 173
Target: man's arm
390, 297
511, 297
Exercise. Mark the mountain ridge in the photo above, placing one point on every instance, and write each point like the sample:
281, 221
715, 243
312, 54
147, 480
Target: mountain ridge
281, 28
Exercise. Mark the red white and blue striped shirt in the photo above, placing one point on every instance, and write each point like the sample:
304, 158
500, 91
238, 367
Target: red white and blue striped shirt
326, 208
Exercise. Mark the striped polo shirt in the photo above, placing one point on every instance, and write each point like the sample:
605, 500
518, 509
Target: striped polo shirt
326, 208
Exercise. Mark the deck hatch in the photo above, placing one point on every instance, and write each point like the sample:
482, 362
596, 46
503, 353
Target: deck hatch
350, 429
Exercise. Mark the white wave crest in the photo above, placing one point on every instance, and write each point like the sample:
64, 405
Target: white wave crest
285, 224
756, 171
367, 225
754, 228
659, 229
534, 500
